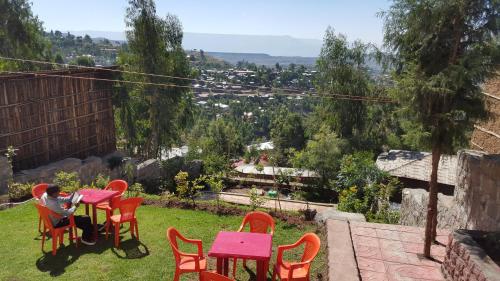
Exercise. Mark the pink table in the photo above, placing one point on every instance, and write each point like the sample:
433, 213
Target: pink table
93, 197
242, 245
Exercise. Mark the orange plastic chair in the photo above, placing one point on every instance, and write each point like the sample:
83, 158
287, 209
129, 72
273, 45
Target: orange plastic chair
37, 191
56, 233
127, 214
259, 222
115, 185
186, 262
297, 271
212, 276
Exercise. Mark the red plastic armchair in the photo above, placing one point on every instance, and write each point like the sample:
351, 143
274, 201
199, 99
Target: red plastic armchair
186, 262
115, 185
127, 214
57, 234
211, 276
297, 271
258, 222
37, 191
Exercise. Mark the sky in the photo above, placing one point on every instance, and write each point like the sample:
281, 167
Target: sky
297, 18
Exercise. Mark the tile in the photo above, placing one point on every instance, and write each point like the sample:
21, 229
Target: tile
438, 250
368, 252
443, 239
367, 275
371, 265
417, 248
420, 260
411, 237
390, 245
394, 256
387, 234
365, 241
364, 231
414, 272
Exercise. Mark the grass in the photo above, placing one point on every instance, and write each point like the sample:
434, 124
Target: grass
21, 257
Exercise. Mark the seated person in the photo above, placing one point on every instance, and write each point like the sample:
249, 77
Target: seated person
54, 202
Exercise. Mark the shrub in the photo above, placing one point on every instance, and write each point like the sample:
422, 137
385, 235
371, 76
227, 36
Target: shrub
256, 200
216, 185
68, 182
135, 189
101, 181
114, 162
19, 191
188, 190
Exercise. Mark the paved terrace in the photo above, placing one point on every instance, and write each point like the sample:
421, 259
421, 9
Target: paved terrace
370, 251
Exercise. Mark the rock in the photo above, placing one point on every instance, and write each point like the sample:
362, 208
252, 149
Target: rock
90, 168
193, 168
149, 170
334, 214
5, 175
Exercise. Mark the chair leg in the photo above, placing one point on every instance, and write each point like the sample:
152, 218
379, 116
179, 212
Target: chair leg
235, 264
131, 228
40, 223
274, 274
54, 245
61, 237
117, 235
136, 230
177, 275
76, 236
43, 239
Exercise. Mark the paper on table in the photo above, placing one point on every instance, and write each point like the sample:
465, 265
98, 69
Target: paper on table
76, 198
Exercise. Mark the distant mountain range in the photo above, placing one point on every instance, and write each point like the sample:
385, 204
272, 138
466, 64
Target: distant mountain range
263, 59
285, 46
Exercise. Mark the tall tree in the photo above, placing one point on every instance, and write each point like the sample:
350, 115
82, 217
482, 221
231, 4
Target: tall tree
444, 50
21, 34
341, 71
155, 47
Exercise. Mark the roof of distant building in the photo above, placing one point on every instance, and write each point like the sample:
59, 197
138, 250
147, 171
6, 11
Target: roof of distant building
417, 165
269, 171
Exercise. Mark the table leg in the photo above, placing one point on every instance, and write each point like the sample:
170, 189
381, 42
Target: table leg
94, 220
226, 267
87, 209
262, 270
219, 265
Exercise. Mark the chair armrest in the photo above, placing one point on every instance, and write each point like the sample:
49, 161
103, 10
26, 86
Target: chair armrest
283, 248
198, 243
295, 265
241, 227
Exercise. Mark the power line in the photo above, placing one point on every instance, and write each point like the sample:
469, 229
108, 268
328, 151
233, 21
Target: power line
337, 96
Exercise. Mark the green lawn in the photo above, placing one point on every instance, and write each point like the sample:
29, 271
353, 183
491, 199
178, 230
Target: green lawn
21, 257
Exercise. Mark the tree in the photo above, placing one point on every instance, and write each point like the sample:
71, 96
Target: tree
443, 50
341, 71
21, 35
84, 61
321, 154
287, 132
156, 47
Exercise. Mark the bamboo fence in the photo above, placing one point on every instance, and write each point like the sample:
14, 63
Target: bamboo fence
51, 118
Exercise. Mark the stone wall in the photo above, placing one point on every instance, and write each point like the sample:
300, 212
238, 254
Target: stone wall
5, 175
87, 169
466, 260
475, 204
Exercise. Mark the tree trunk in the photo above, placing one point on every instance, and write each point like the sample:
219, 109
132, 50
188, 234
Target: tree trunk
432, 205
155, 131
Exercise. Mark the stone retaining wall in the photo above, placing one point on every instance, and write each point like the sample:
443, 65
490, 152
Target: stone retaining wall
475, 203
465, 260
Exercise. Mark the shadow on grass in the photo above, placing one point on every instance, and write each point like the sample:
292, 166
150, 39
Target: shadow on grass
252, 273
131, 249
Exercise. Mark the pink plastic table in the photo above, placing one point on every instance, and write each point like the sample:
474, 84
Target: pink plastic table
94, 197
242, 245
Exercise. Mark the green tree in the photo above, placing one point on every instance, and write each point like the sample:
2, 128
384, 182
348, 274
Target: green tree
84, 61
21, 35
322, 154
156, 47
341, 71
444, 50
287, 132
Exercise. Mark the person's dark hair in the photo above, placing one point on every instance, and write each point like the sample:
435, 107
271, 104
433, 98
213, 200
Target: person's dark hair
52, 188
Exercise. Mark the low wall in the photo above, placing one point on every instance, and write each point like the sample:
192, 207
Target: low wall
466, 260
475, 204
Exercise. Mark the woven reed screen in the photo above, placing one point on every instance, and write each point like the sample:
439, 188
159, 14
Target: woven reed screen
52, 118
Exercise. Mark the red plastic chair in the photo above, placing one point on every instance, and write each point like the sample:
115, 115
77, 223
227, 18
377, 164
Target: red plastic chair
56, 233
212, 276
37, 191
115, 185
297, 271
259, 222
127, 214
186, 262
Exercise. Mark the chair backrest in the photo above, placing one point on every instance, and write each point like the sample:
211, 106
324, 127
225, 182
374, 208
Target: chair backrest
38, 190
44, 213
312, 245
117, 185
172, 235
259, 222
212, 276
128, 207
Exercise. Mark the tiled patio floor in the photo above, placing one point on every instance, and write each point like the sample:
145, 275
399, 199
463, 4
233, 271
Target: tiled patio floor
393, 252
